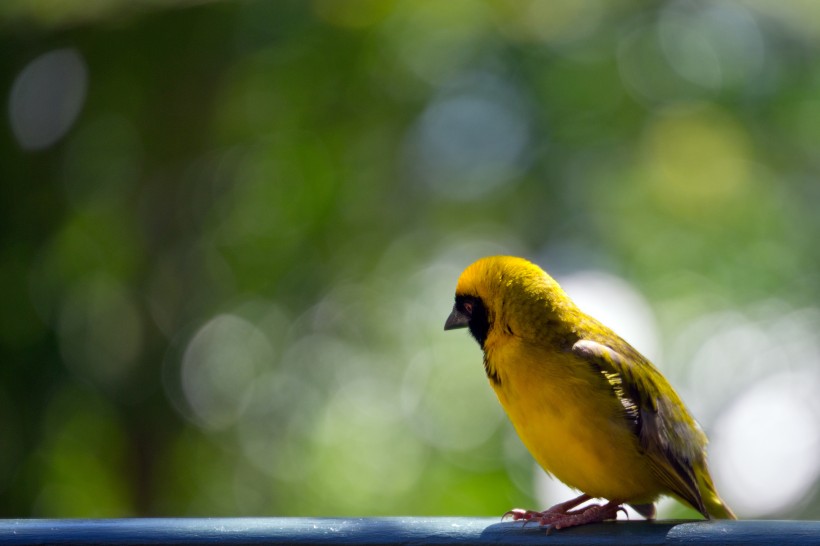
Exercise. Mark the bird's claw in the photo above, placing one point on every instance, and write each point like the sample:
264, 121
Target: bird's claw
519, 514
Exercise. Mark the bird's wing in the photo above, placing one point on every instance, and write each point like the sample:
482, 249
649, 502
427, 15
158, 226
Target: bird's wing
669, 435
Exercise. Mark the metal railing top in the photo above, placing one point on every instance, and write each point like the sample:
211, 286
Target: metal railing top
395, 530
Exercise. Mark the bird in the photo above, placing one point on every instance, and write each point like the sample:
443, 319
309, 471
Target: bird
591, 410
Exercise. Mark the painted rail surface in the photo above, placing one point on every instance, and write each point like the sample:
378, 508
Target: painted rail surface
395, 531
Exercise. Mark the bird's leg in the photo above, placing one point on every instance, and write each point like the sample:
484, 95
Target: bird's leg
560, 509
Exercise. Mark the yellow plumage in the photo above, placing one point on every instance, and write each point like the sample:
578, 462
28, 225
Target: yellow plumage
590, 409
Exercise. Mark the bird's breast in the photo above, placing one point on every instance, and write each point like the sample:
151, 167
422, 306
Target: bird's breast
571, 421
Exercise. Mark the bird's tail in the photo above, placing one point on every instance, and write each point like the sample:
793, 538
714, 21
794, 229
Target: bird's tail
711, 500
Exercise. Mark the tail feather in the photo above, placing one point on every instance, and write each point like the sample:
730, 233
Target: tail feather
718, 509
711, 500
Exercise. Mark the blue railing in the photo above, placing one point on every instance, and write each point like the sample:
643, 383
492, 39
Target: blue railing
388, 531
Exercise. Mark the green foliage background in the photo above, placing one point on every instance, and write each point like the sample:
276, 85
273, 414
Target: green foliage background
223, 287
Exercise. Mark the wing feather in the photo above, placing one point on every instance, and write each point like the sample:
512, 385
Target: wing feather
670, 436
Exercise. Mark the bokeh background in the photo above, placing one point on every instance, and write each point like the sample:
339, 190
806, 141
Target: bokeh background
230, 234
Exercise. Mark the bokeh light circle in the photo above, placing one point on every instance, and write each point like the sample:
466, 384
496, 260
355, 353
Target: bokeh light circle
46, 98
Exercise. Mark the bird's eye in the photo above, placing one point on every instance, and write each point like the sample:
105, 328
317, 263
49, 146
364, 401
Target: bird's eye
468, 307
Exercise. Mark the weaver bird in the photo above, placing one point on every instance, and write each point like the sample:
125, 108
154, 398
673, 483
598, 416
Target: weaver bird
591, 410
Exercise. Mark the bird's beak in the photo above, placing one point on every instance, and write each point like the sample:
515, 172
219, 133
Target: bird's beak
457, 319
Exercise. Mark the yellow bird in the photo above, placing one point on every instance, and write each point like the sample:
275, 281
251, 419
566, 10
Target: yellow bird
592, 410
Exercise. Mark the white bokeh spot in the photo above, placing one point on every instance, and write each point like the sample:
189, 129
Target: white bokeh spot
46, 98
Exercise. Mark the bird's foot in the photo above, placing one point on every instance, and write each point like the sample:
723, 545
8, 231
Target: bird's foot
562, 516
593, 513
558, 510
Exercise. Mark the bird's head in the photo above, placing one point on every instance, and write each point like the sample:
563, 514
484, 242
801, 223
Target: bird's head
501, 291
